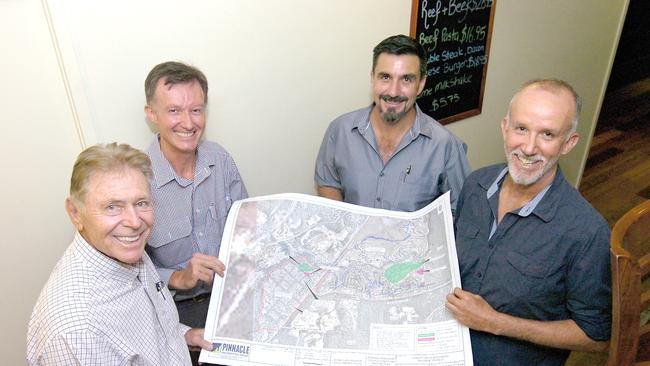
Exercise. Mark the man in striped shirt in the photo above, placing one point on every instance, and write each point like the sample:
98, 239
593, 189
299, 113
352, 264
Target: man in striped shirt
104, 303
194, 184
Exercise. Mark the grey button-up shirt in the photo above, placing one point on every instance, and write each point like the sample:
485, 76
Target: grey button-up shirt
428, 162
189, 215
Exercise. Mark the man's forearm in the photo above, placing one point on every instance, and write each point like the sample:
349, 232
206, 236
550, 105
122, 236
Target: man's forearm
175, 281
563, 334
331, 193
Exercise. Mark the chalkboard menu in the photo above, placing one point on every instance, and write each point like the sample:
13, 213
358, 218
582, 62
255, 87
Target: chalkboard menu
456, 35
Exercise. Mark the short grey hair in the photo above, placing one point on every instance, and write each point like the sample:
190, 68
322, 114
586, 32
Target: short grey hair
553, 85
172, 72
105, 158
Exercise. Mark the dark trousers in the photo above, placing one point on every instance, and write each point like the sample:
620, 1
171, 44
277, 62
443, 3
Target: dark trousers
192, 312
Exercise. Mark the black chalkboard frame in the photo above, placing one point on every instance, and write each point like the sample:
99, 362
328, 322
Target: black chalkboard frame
477, 108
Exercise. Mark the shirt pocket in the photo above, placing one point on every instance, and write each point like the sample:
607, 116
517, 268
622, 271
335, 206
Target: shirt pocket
210, 230
527, 275
219, 212
171, 244
215, 218
468, 230
412, 196
466, 235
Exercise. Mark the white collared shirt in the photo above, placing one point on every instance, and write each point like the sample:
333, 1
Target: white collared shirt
95, 310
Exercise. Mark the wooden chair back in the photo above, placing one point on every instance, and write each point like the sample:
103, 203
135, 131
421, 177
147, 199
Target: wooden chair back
630, 256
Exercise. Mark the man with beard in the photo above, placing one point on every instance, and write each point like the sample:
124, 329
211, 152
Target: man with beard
391, 155
533, 254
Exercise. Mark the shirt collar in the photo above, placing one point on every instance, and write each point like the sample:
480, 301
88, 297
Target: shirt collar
544, 209
105, 266
163, 171
362, 123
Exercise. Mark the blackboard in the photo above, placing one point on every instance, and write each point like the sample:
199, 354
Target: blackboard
456, 36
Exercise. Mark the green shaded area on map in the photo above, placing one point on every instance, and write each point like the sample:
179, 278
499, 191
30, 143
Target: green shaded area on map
305, 268
399, 271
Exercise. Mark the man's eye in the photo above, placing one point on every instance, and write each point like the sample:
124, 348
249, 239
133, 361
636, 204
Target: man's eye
113, 209
173, 110
197, 110
143, 205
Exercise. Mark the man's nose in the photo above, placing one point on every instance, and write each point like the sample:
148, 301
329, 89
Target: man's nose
530, 145
186, 120
393, 88
130, 217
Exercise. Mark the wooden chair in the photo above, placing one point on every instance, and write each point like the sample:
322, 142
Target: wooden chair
630, 255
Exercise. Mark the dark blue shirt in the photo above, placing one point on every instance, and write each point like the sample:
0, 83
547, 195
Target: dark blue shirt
548, 263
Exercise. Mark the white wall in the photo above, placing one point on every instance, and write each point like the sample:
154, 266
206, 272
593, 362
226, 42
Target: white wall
39, 144
279, 71
573, 40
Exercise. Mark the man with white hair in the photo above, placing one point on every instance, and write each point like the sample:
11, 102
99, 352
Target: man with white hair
104, 303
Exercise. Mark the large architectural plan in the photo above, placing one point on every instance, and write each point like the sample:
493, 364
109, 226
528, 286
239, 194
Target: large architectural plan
311, 281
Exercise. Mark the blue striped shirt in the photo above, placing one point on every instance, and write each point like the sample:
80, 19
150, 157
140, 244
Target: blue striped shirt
189, 215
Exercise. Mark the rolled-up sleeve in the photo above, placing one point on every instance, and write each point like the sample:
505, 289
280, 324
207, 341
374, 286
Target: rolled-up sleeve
236, 187
589, 287
325, 174
455, 171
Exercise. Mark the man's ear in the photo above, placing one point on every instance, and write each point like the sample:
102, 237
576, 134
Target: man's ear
151, 116
504, 127
423, 82
570, 143
74, 214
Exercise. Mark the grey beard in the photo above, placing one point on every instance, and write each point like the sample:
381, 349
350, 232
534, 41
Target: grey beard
391, 117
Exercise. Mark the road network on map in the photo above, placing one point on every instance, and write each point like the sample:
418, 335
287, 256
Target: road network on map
310, 275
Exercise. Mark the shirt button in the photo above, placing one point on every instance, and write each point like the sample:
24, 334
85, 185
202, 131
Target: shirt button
479, 275
198, 210
381, 174
201, 233
491, 246
378, 199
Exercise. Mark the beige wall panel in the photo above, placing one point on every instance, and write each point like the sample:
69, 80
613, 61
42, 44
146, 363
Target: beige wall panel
279, 71
38, 148
571, 40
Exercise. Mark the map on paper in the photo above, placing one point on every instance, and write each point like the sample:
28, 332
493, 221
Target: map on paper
311, 281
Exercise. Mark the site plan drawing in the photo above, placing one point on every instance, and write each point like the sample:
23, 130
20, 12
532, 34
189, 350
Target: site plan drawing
312, 281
